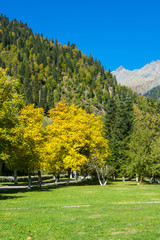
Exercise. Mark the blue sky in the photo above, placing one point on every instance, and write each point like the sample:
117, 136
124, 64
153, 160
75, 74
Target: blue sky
116, 32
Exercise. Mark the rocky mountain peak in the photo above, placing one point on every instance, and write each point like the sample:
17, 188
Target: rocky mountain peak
120, 68
140, 80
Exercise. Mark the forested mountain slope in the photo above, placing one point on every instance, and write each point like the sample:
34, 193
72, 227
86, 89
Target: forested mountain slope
153, 93
50, 72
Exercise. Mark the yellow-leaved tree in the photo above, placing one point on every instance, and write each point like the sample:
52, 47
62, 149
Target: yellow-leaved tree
27, 140
74, 139
10, 102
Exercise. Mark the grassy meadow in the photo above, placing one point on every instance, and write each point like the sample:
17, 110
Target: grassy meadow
120, 210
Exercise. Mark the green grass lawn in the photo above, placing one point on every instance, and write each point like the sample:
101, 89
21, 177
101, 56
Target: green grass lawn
121, 210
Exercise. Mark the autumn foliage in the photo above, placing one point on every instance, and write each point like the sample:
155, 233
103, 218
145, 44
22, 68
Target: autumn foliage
26, 140
74, 138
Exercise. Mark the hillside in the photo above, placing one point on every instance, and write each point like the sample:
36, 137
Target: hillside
140, 80
49, 72
153, 93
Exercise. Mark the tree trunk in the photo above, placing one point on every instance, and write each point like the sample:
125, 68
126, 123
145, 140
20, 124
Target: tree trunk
55, 180
150, 180
123, 178
140, 179
114, 177
104, 180
15, 177
76, 179
39, 178
104, 184
153, 176
76, 176
136, 177
99, 179
29, 180
58, 176
69, 174
1, 163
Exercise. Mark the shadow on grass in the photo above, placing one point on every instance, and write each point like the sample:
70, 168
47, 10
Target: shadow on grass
6, 197
5, 190
93, 182
144, 183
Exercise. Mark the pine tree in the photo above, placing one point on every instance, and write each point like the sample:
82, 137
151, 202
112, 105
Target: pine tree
118, 127
35, 91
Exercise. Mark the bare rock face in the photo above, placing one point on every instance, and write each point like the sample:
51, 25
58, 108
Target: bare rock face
140, 80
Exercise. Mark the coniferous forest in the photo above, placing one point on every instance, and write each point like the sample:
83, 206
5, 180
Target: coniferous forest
61, 110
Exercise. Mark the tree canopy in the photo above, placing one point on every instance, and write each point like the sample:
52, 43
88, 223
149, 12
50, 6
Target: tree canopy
74, 138
10, 103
